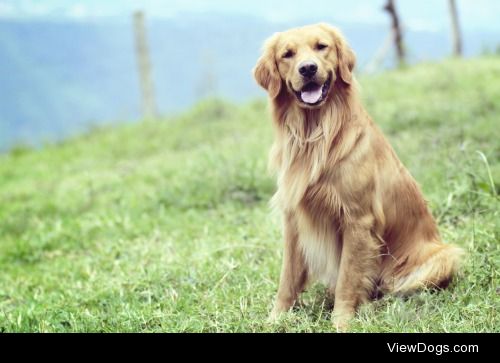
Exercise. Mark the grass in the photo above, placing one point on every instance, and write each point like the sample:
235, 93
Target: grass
164, 226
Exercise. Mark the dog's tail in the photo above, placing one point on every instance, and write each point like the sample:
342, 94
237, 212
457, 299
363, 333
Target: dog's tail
432, 267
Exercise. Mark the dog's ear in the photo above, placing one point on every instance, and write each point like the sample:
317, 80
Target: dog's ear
266, 71
345, 55
347, 60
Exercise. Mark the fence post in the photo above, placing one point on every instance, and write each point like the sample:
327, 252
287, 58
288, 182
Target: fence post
149, 109
455, 29
396, 31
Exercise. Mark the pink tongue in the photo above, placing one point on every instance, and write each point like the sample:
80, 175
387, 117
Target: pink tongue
311, 96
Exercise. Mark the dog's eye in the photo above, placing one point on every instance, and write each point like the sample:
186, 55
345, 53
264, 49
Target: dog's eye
288, 54
321, 46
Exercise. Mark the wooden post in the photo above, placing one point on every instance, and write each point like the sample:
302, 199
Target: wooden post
455, 29
396, 31
149, 109
207, 85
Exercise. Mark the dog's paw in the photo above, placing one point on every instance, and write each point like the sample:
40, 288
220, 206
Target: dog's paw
341, 322
280, 308
341, 325
275, 315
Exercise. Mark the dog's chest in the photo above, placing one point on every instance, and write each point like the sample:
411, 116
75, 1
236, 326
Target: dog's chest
318, 208
319, 218
321, 246
323, 201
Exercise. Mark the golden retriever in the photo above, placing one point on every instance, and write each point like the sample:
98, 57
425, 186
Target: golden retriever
353, 216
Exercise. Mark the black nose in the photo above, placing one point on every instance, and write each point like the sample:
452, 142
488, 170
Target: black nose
308, 69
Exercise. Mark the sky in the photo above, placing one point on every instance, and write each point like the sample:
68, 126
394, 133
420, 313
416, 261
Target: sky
429, 15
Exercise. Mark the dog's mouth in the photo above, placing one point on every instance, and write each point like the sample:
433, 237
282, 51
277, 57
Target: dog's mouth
312, 93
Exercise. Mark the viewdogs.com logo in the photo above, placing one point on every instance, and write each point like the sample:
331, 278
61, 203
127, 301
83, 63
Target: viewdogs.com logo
437, 349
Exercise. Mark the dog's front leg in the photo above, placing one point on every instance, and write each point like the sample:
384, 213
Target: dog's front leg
358, 270
293, 272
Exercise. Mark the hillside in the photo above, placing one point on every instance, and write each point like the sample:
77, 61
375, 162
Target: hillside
164, 226
85, 71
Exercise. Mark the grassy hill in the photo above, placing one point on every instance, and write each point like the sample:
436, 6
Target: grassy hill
164, 226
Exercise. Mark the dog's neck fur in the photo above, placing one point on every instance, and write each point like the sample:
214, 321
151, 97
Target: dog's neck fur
308, 140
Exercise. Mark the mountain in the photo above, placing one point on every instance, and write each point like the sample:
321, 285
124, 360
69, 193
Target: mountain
61, 77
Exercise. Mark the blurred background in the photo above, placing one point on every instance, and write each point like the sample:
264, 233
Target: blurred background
69, 65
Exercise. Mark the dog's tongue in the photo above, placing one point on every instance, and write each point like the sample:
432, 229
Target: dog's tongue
311, 96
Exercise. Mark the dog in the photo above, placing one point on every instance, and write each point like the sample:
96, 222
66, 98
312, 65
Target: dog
353, 216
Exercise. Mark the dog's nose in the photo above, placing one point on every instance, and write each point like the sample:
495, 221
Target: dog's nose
308, 69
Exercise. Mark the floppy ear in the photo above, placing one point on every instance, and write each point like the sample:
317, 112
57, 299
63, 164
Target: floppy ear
347, 60
345, 55
266, 72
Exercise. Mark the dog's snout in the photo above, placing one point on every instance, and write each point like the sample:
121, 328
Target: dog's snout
308, 69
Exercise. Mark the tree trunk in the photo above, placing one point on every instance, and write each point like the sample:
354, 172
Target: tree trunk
455, 29
396, 31
144, 67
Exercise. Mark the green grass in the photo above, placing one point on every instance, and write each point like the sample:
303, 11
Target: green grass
164, 226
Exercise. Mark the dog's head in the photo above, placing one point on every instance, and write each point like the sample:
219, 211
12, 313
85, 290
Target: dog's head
305, 62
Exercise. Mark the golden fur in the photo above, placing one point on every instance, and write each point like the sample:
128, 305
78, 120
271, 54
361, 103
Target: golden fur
354, 218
